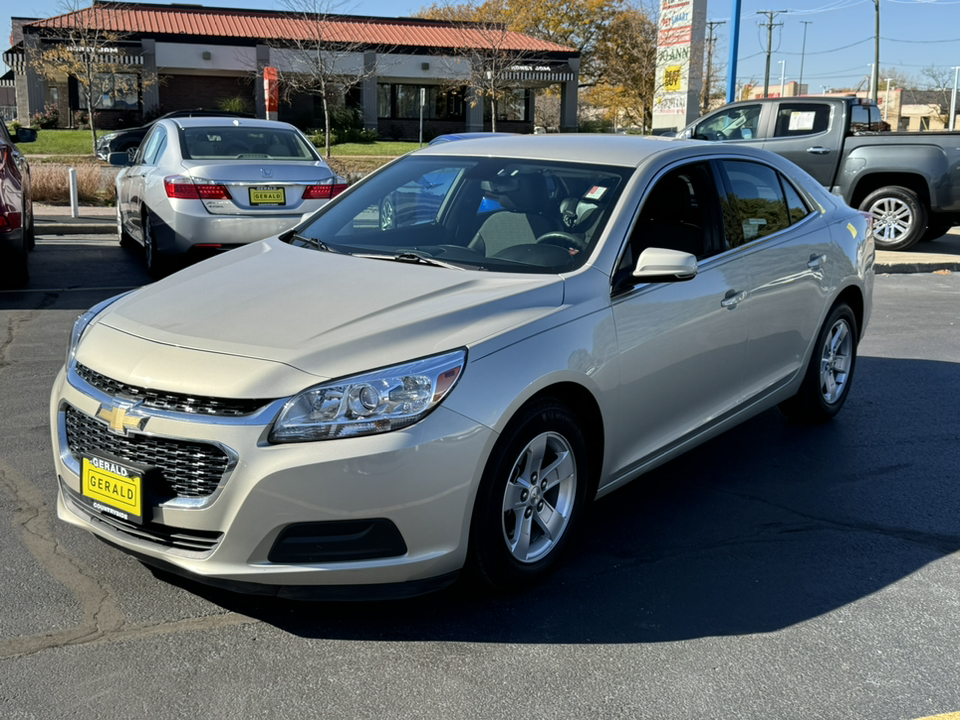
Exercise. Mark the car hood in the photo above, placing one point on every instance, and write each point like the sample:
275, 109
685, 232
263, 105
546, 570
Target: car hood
327, 314
259, 171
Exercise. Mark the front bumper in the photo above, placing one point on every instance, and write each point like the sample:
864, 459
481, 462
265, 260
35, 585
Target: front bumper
421, 480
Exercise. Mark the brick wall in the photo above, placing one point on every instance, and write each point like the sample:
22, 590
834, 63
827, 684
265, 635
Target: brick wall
184, 92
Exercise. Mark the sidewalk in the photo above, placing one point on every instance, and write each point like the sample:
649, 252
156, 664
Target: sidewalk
940, 254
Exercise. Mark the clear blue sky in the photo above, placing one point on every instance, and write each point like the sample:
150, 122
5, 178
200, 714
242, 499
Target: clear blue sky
839, 44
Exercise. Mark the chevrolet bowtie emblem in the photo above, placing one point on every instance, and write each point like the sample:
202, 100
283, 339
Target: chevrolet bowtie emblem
122, 416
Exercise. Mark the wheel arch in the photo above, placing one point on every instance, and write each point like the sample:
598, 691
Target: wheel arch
852, 296
913, 182
584, 405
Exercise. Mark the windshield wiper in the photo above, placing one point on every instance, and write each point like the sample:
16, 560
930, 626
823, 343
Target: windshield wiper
315, 242
410, 257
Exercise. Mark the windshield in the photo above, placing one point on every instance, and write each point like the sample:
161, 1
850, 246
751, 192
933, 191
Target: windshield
495, 214
240, 143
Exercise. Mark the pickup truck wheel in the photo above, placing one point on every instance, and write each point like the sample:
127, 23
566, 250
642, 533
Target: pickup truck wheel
899, 218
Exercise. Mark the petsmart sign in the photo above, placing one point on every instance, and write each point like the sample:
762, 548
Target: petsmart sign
679, 63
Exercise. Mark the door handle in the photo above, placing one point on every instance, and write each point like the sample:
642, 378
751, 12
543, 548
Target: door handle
818, 150
815, 261
732, 299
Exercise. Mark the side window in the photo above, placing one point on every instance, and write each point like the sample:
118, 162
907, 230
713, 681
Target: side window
739, 123
796, 119
149, 148
795, 204
759, 197
677, 214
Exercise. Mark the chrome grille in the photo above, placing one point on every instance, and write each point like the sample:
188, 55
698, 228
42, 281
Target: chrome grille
188, 469
173, 402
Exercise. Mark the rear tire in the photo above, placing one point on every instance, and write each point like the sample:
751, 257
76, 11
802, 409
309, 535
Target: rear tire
531, 498
826, 384
158, 265
899, 218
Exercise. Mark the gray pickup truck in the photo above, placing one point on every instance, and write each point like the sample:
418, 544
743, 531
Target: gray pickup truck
908, 182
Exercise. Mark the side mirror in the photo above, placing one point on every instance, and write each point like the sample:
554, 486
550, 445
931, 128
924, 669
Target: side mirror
662, 265
122, 159
24, 135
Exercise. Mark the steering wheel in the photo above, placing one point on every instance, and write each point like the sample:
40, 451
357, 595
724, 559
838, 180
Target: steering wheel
563, 239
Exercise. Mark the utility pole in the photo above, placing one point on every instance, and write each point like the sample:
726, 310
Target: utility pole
705, 90
771, 14
875, 75
803, 52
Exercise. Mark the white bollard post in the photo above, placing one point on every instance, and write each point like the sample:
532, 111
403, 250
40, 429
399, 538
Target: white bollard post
74, 209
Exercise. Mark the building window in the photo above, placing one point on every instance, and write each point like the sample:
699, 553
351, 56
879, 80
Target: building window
113, 92
511, 106
402, 102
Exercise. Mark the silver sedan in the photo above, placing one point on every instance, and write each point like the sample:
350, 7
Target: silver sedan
209, 184
360, 406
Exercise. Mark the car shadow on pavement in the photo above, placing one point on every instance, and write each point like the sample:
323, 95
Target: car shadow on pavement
766, 526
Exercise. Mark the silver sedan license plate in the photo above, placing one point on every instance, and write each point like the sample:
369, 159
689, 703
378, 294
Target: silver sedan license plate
265, 195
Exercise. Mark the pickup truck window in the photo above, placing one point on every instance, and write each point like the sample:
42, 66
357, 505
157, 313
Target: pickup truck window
739, 123
794, 119
865, 118
758, 194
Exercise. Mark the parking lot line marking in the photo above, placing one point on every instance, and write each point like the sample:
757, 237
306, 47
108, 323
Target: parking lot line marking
945, 716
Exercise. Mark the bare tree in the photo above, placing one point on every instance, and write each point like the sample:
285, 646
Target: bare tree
324, 55
79, 43
941, 85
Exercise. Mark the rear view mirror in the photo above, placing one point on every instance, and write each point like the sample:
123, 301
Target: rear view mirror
120, 158
24, 135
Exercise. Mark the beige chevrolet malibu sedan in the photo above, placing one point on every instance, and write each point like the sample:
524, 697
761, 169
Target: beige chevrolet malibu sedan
367, 407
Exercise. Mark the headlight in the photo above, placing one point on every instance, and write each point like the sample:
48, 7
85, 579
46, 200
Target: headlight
371, 403
80, 326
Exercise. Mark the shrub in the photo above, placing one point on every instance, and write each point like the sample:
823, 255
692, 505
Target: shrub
238, 104
81, 118
95, 184
49, 117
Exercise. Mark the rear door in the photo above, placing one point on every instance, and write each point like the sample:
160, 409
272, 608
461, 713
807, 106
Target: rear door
134, 179
788, 252
809, 135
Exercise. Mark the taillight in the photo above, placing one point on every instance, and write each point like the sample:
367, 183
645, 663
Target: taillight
323, 192
181, 187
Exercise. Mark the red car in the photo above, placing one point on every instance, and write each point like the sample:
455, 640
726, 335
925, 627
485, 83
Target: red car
16, 207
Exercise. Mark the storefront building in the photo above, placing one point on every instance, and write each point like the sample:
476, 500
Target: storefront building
172, 57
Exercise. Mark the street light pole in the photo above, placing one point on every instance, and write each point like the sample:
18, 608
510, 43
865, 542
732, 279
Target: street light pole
783, 68
886, 101
953, 99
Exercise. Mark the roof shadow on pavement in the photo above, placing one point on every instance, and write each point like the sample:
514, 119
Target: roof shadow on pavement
766, 526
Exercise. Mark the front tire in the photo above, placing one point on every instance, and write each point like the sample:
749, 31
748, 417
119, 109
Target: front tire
899, 218
531, 497
126, 240
826, 383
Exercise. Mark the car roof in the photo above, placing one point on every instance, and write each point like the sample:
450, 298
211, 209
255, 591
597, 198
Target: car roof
190, 122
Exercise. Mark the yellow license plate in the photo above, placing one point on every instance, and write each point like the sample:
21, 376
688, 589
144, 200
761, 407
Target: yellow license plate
114, 489
267, 196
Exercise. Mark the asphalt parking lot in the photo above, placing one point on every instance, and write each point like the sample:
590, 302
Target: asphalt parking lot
777, 571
